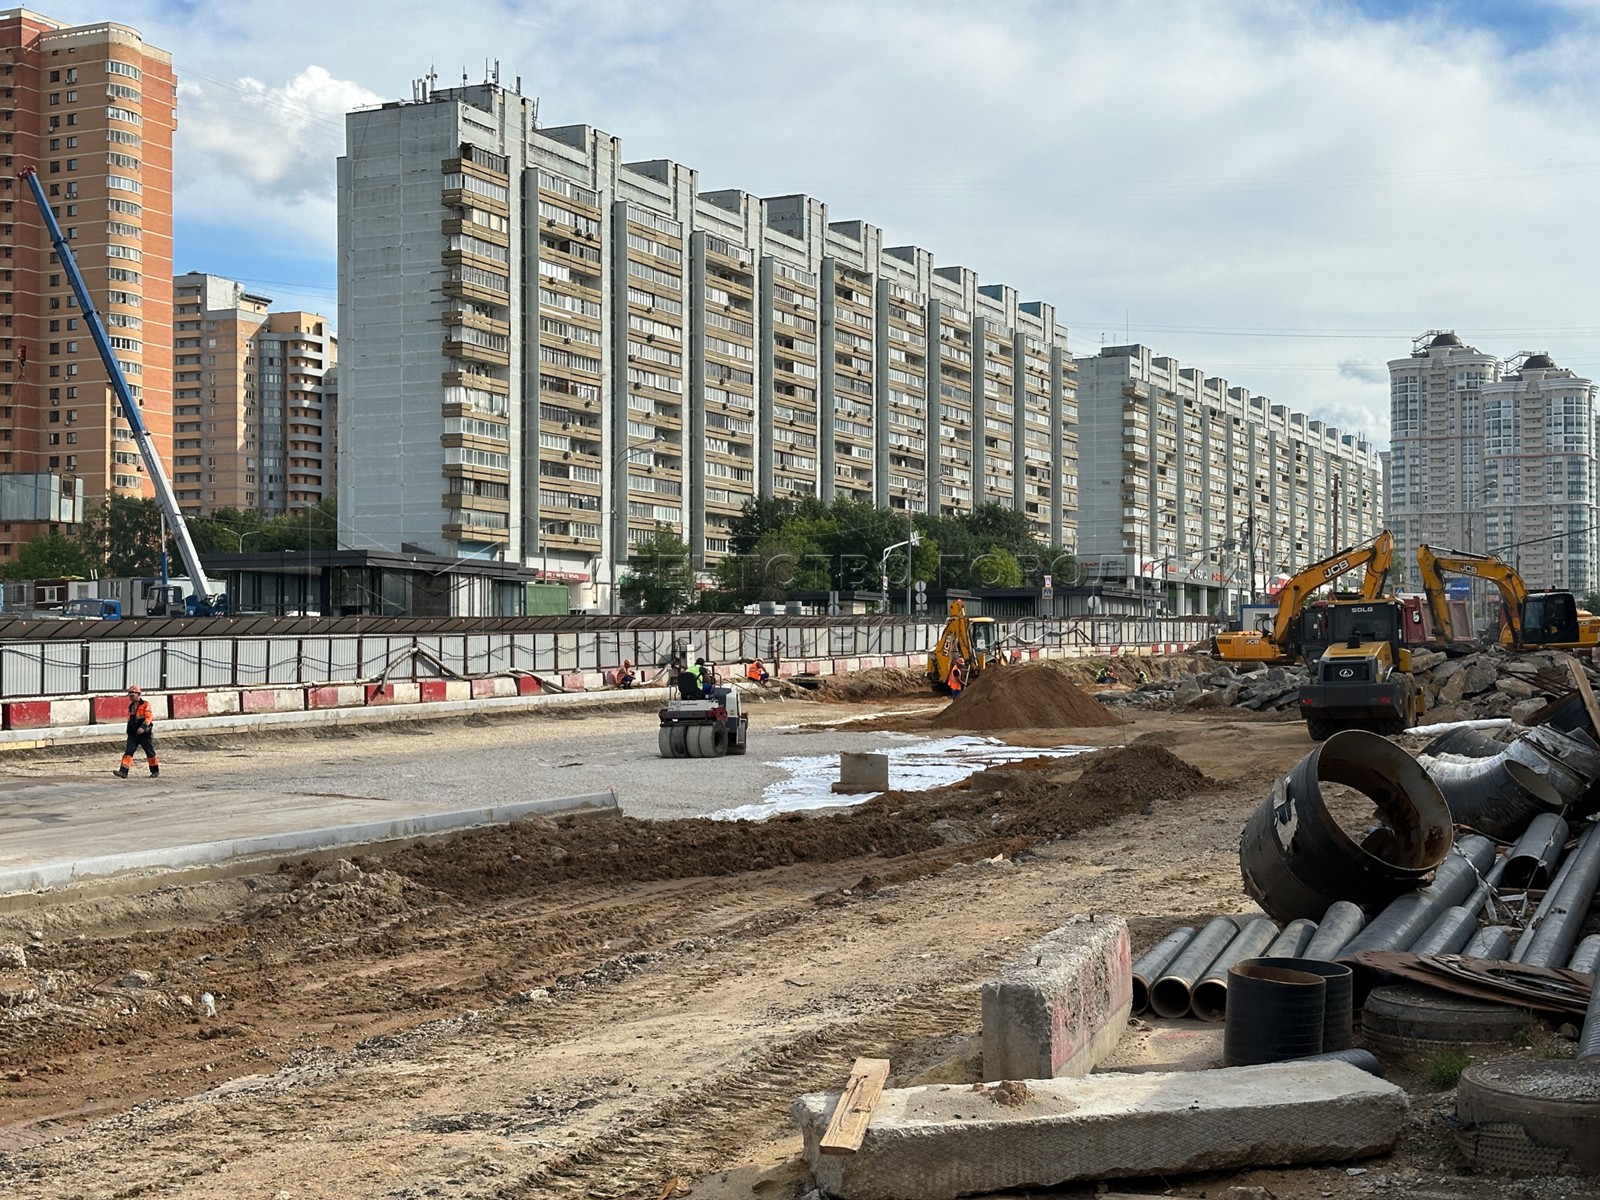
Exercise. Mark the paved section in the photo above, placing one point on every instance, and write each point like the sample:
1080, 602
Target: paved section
949, 1140
1060, 1006
68, 805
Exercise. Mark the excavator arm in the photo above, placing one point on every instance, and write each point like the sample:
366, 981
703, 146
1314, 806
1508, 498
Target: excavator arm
1434, 566
1375, 556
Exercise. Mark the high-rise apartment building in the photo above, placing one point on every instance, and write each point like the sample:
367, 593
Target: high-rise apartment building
253, 424
1541, 483
92, 107
1190, 484
549, 351
1436, 468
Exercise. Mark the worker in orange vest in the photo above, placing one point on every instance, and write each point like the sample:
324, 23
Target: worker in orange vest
958, 676
141, 733
756, 672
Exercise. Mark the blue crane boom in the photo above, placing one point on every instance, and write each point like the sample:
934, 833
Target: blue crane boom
202, 602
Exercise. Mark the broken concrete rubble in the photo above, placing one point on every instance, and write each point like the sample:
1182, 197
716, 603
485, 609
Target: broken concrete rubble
945, 1141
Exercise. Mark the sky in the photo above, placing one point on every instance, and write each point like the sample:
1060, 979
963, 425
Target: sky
1284, 194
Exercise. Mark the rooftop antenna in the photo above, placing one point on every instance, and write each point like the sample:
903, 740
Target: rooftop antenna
519, 85
535, 109
463, 76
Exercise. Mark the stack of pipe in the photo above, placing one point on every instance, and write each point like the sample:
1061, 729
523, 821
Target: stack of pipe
1551, 936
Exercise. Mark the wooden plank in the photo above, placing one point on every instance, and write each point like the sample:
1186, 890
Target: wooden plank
1581, 678
851, 1116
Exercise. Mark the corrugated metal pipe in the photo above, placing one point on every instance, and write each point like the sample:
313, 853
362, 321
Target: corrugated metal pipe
1557, 932
1169, 997
1492, 941
1295, 858
1339, 925
1404, 921
1296, 934
1532, 860
1497, 796
1589, 1039
1451, 930
1209, 997
1586, 956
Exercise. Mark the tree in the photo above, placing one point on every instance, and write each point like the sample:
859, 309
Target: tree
51, 555
660, 578
124, 533
997, 567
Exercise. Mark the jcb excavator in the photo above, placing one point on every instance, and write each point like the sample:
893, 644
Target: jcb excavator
970, 638
1281, 644
1543, 620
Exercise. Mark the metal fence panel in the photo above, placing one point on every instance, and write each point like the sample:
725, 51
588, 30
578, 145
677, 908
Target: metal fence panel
144, 664
283, 661
21, 670
63, 668
183, 664
566, 652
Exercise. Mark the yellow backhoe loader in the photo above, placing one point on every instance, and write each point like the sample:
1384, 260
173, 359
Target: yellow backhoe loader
972, 639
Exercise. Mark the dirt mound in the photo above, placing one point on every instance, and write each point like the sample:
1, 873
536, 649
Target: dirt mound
1114, 783
876, 683
1032, 695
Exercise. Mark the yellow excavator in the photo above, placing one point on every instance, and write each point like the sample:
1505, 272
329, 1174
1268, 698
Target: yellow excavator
970, 638
1281, 643
1537, 620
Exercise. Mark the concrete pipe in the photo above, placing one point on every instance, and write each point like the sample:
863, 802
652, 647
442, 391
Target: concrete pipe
1296, 934
1156, 960
1404, 921
1295, 858
1497, 796
1587, 956
1556, 935
1451, 930
1492, 941
1339, 925
1170, 995
1209, 998
1533, 859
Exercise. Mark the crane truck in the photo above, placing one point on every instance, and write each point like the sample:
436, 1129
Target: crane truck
1534, 620
1281, 643
204, 602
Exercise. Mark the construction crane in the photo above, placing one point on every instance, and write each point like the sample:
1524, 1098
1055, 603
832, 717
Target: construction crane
1281, 643
202, 602
1542, 620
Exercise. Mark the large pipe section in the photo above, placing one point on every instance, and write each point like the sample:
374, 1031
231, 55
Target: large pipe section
1170, 995
1209, 997
1533, 858
1589, 1038
1496, 796
1295, 858
1451, 930
1554, 936
1492, 941
1296, 934
1156, 960
1339, 925
1404, 921
1586, 956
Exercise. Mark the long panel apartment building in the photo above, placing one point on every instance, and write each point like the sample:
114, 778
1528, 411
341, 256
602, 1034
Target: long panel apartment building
1205, 492
92, 107
549, 351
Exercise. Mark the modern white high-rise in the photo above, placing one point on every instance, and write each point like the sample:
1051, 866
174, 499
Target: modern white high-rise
548, 351
1540, 492
1191, 485
1436, 448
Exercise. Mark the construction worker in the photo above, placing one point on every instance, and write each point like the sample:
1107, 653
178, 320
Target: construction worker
141, 733
958, 676
756, 672
626, 675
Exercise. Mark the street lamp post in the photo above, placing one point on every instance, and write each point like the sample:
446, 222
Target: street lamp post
619, 496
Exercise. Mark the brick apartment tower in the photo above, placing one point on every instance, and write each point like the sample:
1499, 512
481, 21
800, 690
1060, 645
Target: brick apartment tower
93, 108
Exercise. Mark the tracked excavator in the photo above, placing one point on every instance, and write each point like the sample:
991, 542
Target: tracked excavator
1282, 642
1534, 620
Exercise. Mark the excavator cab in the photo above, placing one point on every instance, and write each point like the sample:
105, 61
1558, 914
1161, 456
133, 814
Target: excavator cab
1550, 618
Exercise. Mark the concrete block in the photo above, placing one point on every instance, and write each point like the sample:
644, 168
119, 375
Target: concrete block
1061, 1006
505, 685
862, 773
529, 685
109, 710
404, 693
431, 690
483, 689
339, 695
224, 703
572, 682
950, 1140
185, 705
73, 713
261, 700
27, 714
458, 689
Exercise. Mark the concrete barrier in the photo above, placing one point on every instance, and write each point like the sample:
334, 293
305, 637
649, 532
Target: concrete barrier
529, 685
224, 703
1061, 1006
393, 693
27, 714
265, 700
482, 689
339, 695
189, 704
950, 1140
109, 710
75, 712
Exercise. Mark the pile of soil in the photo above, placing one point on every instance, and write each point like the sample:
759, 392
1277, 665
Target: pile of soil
1114, 783
876, 683
1031, 695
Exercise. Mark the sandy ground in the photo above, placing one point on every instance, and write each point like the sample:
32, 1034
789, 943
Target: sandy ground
506, 1022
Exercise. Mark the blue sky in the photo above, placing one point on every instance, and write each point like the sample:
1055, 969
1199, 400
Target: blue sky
1281, 193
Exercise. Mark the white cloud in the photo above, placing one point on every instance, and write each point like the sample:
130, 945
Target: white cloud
1364, 370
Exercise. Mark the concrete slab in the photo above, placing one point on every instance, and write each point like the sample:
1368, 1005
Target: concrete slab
1060, 1006
945, 1141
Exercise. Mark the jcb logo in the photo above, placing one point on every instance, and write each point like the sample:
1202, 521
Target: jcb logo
1468, 569
1338, 568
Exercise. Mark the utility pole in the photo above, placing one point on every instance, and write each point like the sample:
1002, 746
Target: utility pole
1250, 534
